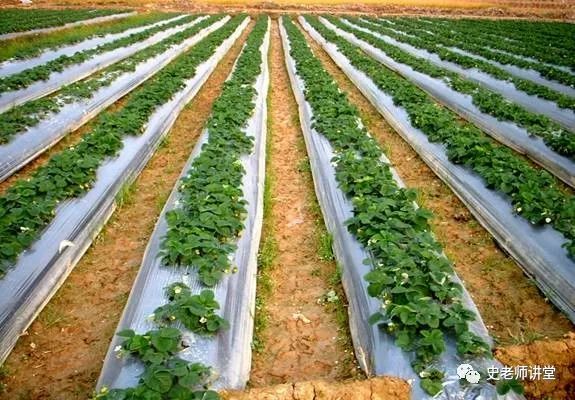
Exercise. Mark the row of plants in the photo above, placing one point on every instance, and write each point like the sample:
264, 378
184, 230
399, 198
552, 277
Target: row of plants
482, 47
42, 72
20, 49
421, 306
166, 376
547, 50
18, 119
557, 138
202, 232
533, 192
29, 205
18, 20
554, 35
429, 43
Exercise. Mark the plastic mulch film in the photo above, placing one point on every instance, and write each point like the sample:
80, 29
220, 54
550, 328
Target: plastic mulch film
229, 352
524, 73
374, 348
537, 249
80, 71
29, 144
535, 104
90, 21
506, 132
15, 66
42, 269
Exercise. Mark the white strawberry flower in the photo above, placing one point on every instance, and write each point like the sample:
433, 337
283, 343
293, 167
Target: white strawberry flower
203, 320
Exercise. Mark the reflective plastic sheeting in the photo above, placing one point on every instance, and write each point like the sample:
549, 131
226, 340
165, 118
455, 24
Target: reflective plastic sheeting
535, 104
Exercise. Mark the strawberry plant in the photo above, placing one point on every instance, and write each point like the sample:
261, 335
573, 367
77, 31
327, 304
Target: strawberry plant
533, 192
548, 44
17, 20
18, 50
42, 72
28, 206
429, 43
165, 376
195, 312
420, 304
445, 36
487, 101
29, 114
202, 231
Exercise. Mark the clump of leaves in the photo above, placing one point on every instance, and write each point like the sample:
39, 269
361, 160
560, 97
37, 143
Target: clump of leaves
195, 312
166, 377
203, 230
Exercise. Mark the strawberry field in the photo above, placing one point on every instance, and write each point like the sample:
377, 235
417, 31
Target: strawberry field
230, 205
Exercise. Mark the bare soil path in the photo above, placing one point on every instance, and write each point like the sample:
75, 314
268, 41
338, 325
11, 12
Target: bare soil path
62, 353
301, 340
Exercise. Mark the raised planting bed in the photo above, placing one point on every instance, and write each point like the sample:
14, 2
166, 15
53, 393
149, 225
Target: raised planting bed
207, 235
410, 316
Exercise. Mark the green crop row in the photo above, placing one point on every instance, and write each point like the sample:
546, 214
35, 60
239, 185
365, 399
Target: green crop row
28, 47
29, 114
202, 231
29, 205
489, 102
466, 62
446, 37
158, 349
421, 305
18, 20
42, 72
551, 35
533, 192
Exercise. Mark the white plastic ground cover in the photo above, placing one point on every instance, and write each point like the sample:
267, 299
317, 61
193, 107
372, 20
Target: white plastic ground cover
535, 104
374, 348
537, 249
229, 352
90, 21
29, 144
11, 67
508, 133
42, 269
529, 74
530, 59
80, 71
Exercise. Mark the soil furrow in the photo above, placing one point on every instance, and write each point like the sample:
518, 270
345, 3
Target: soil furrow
61, 354
302, 339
